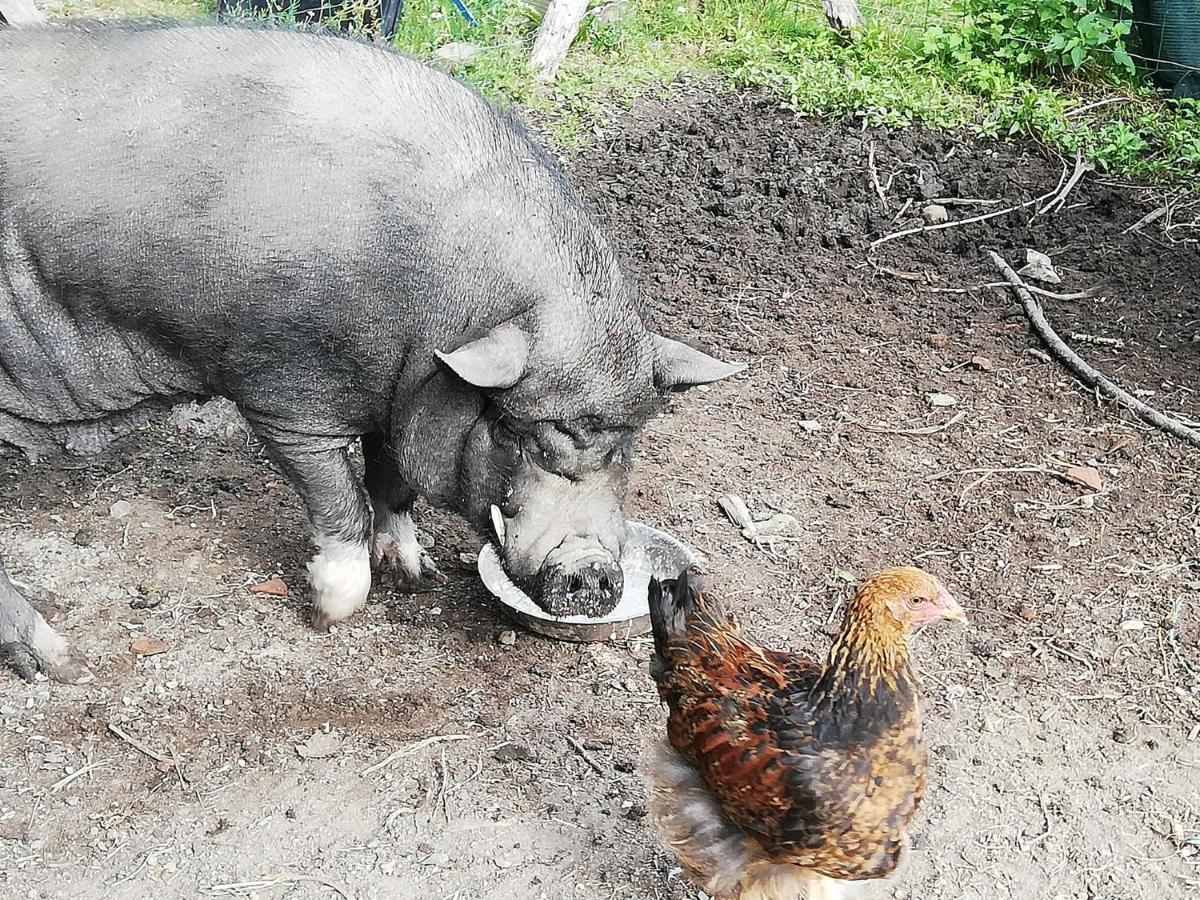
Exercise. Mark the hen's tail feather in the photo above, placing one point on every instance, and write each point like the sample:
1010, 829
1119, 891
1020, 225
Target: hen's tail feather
670, 602
713, 852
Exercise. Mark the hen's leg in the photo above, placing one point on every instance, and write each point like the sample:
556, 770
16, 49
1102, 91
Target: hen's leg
395, 540
340, 572
28, 645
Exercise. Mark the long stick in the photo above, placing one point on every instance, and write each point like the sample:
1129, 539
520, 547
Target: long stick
1081, 369
921, 229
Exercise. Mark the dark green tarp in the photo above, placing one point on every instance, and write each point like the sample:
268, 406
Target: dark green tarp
1169, 34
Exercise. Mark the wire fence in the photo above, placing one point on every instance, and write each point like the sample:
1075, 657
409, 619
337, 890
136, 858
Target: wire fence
909, 19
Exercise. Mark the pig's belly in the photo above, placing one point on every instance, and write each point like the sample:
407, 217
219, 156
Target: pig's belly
69, 380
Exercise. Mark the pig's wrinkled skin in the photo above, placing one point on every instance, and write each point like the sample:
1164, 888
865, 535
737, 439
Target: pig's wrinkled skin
348, 245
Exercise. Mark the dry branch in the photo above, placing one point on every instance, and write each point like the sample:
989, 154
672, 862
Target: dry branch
1080, 369
413, 748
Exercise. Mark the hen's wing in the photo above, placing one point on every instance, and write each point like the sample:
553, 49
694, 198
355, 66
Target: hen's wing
724, 694
782, 771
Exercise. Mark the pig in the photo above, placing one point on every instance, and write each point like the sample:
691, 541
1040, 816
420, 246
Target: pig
350, 246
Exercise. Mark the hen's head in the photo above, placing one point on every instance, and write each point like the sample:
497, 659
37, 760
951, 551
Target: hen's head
908, 597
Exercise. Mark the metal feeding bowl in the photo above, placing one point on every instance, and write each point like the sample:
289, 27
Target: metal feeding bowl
648, 552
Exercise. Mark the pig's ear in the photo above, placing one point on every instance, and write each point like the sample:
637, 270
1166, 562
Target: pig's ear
496, 360
678, 366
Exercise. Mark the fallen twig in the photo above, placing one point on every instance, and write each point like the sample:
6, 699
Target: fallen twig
988, 473
269, 881
1080, 110
1085, 373
78, 773
1081, 166
1095, 339
1041, 292
875, 175
1032, 842
139, 747
964, 201
1152, 216
916, 432
921, 229
411, 749
584, 755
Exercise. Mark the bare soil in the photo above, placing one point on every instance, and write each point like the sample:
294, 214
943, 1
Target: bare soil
1064, 722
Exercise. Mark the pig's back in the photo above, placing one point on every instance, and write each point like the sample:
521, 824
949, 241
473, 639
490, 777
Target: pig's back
232, 135
284, 213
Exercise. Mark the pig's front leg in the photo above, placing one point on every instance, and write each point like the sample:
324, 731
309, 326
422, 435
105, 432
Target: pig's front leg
395, 540
28, 645
340, 573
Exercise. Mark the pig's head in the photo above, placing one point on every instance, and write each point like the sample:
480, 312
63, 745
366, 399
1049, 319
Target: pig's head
546, 463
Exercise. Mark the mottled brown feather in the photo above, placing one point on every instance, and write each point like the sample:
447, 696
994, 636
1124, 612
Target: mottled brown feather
822, 767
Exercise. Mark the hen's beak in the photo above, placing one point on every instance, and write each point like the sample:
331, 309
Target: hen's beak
950, 607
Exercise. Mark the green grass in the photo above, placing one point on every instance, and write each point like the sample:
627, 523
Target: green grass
908, 66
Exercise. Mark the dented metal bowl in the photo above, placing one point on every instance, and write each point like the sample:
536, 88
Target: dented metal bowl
648, 552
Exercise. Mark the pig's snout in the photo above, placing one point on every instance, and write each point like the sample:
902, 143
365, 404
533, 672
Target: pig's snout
590, 587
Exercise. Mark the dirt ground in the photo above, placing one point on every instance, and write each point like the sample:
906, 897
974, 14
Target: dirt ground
1064, 722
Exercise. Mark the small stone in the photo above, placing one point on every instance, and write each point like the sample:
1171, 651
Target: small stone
982, 363
511, 752
810, 425
935, 214
939, 399
1039, 267
149, 646
219, 642
319, 746
1123, 734
507, 638
272, 588
85, 537
120, 509
1027, 612
938, 340
456, 54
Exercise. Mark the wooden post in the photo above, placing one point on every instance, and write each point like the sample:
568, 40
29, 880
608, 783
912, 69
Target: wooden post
20, 12
559, 28
843, 15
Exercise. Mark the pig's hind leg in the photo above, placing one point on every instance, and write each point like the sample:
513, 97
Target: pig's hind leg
340, 573
395, 540
28, 645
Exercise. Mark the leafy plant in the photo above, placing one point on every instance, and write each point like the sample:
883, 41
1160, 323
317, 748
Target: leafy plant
1036, 38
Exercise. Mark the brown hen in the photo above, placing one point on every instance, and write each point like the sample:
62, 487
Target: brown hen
786, 779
